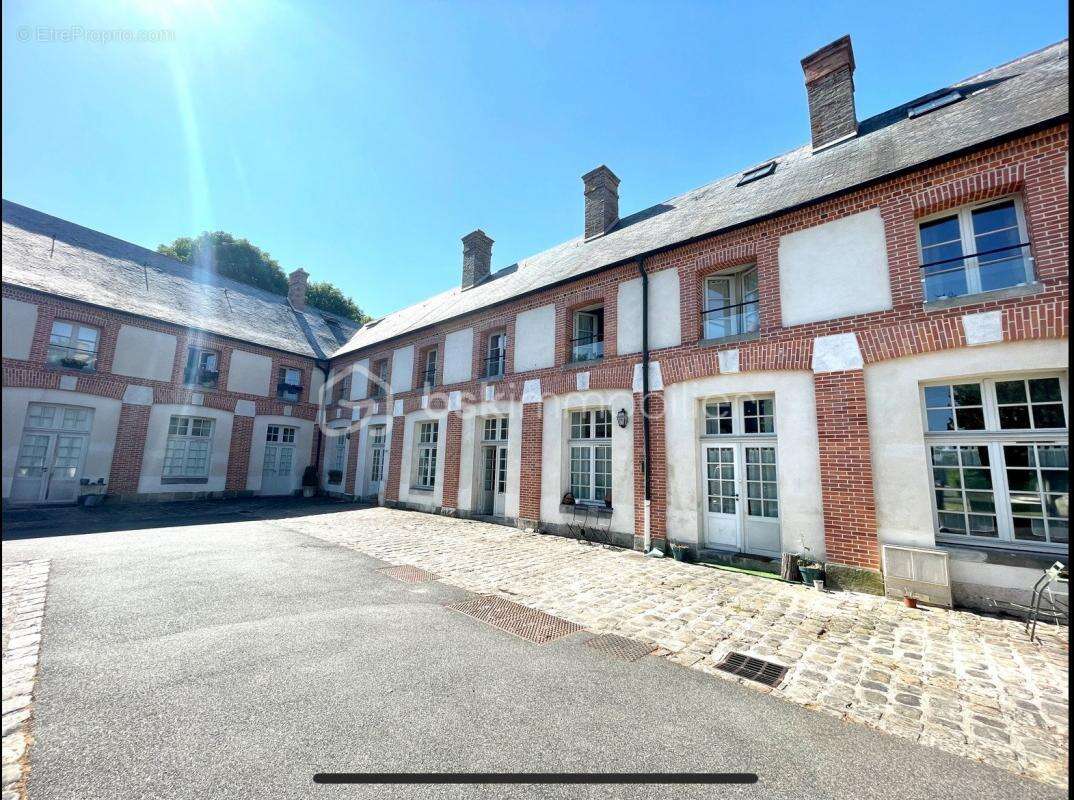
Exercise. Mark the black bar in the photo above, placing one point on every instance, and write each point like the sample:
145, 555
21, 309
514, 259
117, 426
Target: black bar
736, 305
975, 255
534, 777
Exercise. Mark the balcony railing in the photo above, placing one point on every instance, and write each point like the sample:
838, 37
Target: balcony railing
495, 366
72, 357
985, 271
291, 392
731, 320
206, 378
428, 378
587, 348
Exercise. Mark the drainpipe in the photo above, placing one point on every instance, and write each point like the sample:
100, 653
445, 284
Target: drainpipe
645, 434
323, 367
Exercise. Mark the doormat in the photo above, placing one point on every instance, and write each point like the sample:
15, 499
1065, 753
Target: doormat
518, 620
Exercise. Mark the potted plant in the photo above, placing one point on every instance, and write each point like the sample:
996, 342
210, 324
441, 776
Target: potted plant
568, 499
680, 552
909, 600
309, 481
810, 568
608, 500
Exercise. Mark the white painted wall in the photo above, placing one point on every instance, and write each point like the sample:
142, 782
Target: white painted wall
19, 322
142, 353
303, 449
360, 379
555, 479
458, 356
901, 472
156, 443
469, 459
664, 330
834, 270
422, 497
316, 384
535, 338
98, 462
249, 373
402, 377
797, 453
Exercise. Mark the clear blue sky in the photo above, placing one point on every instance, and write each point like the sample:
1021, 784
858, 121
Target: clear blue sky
362, 140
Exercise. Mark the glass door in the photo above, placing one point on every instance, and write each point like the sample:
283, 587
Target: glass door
721, 497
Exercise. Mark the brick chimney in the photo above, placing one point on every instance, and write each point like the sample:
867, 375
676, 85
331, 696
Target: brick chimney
296, 289
601, 201
476, 258
829, 79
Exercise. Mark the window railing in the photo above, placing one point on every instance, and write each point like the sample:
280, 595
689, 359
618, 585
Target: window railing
288, 391
206, 378
72, 357
428, 378
1001, 268
731, 320
587, 348
495, 366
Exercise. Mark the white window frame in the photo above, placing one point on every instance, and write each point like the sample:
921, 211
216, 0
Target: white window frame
738, 417
595, 313
431, 358
426, 441
583, 437
736, 291
177, 466
495, 430
378, 437
73, 343
284, 374
994, 438
338, 457
969, 245
497, 343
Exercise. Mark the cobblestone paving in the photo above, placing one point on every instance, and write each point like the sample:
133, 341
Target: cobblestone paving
24, 584
966, 683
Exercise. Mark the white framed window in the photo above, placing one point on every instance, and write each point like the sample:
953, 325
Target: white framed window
202, 367
337, 459
428, 379
378, 386
289, 385
377, 438
978, 248
590, 446
741, 416
496, 360
186, 454
998, 458
73, 346
731, 304
588, 341
495, 429
282, 434
425, 455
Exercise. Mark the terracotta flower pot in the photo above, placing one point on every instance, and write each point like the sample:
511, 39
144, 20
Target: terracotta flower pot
910, 602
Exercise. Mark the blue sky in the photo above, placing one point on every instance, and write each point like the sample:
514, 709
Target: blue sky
362, 140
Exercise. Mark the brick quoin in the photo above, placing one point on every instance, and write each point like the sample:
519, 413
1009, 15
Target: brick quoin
130, 447
238, 462
846, 474
658, 467
529, 486
395, 460
452, 459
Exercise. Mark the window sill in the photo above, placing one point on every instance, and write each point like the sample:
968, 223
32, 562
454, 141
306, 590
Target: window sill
999, 555
180, 481
752, 336
592, 362
984, 297
70, 370
423, 489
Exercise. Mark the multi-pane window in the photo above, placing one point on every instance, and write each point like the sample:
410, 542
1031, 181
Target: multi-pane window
337, 457
762, 492
495, 429
376, 442
279, 459
73, 346
998, 457
976, 249
496, 360
425, 473
591, 455
379, 386
343, 385
732, 303
65, 418
283, 434
186, 454
720, 476
428, 375
202, 367
740, 416
289, 384
588, 341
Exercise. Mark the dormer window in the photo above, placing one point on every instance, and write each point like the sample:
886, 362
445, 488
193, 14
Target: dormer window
587, 343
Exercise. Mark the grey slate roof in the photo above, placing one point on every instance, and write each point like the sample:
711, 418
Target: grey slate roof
1000, 101
58, 257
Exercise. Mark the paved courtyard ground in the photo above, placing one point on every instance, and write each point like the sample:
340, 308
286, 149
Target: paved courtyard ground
233, 656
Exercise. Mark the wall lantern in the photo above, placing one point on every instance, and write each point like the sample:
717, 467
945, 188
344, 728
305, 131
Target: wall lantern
622, 418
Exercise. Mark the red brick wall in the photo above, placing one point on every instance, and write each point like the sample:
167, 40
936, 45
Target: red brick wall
529, 487
658, 467
238, 462
395, 459
129, 450
452, 459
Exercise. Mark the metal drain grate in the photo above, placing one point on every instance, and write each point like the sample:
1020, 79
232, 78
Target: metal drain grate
526, 623
408, 574
619, 647
753, 669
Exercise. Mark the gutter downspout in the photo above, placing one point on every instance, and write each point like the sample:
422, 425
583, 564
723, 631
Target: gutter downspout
647, 536
323, 366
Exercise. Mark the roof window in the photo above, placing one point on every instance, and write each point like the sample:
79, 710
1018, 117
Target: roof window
945, 99
757, 173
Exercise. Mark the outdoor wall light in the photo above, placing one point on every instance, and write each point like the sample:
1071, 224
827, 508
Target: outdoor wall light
622, 418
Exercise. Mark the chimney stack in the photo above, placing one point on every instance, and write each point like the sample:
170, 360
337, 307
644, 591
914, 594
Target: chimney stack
476, 258
296, 289
601, 201
829, 79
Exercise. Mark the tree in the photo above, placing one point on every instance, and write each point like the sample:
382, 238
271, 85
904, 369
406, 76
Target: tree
327, 297
240, 260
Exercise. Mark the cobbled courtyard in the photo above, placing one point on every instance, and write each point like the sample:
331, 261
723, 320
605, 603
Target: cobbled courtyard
966, 683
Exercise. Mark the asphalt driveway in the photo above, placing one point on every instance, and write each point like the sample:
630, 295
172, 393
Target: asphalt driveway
234, 659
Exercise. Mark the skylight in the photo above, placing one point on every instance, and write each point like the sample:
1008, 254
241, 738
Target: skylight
945, 99
756, 173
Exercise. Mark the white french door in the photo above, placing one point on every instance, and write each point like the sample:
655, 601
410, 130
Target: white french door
740, 497
52, 452
375, 468
494, 480
278, 469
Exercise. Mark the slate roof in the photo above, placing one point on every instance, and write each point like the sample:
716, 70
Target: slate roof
998, 102
58, 257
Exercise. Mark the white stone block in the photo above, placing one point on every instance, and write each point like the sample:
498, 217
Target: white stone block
581, 381
531, 391
729, 360
983, 328
136, 395
69, 382
245, 408
836, 353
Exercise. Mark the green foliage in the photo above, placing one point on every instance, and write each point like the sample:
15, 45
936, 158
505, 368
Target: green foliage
327, 297
247, 263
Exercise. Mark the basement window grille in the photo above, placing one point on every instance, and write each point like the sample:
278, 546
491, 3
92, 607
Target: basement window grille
757, 173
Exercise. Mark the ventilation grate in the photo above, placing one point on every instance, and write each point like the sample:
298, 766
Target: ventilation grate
408, 574
753, 669
619, 647
526, 623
